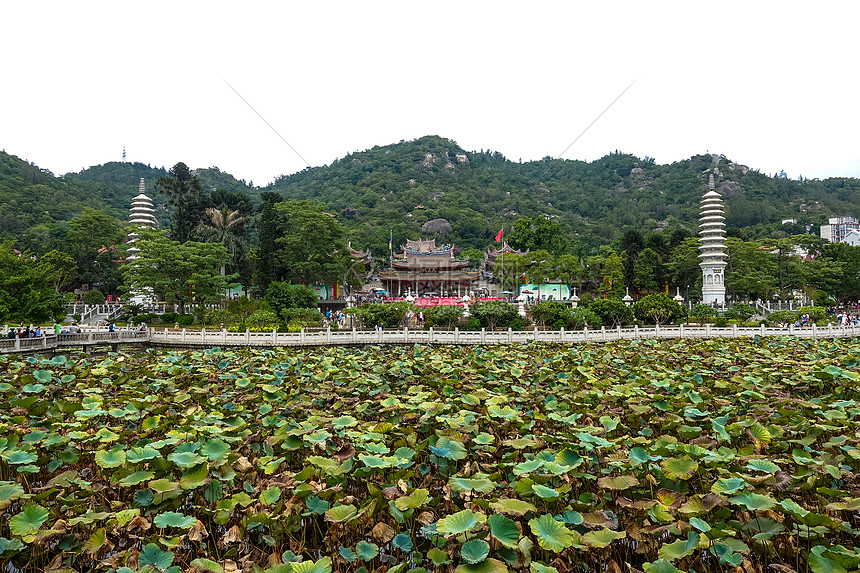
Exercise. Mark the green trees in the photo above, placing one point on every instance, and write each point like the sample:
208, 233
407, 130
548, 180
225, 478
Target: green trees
612, 277
508, 270
180, 273
657, 309
227, 228
612, 311
60, 267
702, 312
27, 289
495, 314
267, 229
281, 296
185, 194
311, 247
647, 272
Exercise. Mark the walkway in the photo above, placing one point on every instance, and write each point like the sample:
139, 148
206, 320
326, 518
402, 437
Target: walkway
208, 338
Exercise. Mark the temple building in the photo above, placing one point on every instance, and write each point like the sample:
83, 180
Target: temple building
423, 268
491, 256
712, 239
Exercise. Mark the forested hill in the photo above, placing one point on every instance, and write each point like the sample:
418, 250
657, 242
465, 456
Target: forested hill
398, 188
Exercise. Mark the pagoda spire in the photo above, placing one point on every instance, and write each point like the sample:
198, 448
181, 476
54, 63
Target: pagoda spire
712, 248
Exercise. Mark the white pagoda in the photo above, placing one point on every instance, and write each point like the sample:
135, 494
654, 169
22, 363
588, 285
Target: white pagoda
712, 249
142, 216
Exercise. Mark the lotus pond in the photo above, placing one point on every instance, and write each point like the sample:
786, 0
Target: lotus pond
707, 455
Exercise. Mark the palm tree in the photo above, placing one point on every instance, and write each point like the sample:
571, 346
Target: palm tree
225, 227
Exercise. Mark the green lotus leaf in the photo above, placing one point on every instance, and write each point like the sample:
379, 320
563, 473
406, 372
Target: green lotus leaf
317, 437
376, 448
754, 501
449, 449
136, 478
137, 454
322, 463
765, 528
186, 460
202, 564
485, 566
680, 548
322, 565
759, 433
43, 376
195, 477
29, 520
215, 449
126, 515
818, 563
660, 566
728, 485
33, 388
347, 554
112, 458
174, 519
403, 542
475, 551
153, 555
378, 462
143, 498
438, 556
765, 466
602, 537
544, 492
484, 439
536, 567
480, 484
10, 491
618, 483
679, 468
515, 507
700, 525
316, 505
504, 530
16, 457
568, 457
9, 547
270, 496
341, 513
414, 500
366, 551
551, 534
527, 467
404, 453
343, 422
460, 522
504, 413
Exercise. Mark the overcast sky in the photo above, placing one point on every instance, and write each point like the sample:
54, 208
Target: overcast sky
773, 85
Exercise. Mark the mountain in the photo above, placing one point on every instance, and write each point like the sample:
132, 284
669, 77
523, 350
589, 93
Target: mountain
404, 190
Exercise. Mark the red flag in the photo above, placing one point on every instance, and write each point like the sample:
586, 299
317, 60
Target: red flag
499, 236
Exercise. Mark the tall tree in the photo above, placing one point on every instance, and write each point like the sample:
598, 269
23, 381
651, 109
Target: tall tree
92, 241
27, 290
185, 194
647, 272
311, 244
226, 227
612, 275
267, 228
180, 273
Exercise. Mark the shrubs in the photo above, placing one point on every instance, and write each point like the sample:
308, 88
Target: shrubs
299, 318
611, 312
93, 297
739, 311
444, 316
557, 315
783, 317
702, 312
658, 309
495, 314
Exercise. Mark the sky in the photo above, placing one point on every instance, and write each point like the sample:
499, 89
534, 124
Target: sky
771, 85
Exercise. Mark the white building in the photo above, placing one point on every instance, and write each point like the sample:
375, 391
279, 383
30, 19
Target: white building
712, 248
837, 228
142, 216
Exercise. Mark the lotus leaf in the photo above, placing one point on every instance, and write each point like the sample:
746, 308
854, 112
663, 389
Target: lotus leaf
438, 556
322, 565
341, 513
680, 548
516, 507
29, 520
174, 519
450, 449
765, 466
478, 483
728, 485
366, 551
660, 566
403, 542
9, 547
602, 537
485, 566
754, 501
618, 483
551, 534
461, 522
544, 492
16, 457
153, 555
203, 564
414, 500
679, 468
186, 460
504, 530
215, 449
536, 567
475, 551
136, 478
